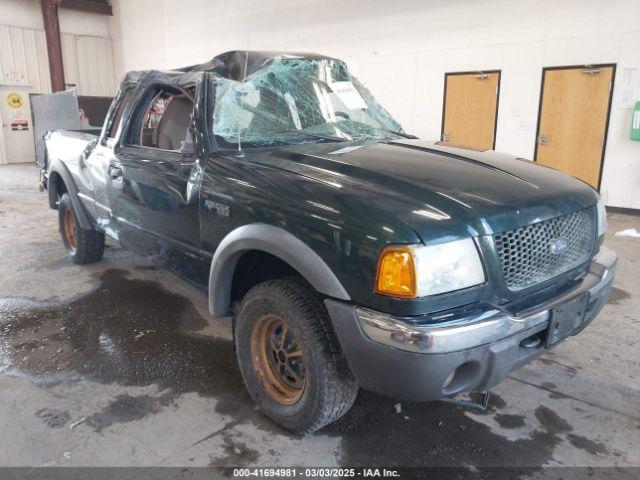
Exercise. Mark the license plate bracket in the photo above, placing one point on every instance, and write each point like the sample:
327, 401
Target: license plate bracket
566, 319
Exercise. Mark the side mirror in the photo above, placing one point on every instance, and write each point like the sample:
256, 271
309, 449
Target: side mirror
187, 147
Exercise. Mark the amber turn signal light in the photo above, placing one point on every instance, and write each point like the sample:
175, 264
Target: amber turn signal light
396, 275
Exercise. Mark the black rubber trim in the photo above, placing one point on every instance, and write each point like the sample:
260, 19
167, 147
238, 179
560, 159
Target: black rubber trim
277, 242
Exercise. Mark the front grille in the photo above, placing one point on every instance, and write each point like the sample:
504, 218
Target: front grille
541, 251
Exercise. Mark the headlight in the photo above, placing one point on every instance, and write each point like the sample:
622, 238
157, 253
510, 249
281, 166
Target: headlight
602, 217
418, 270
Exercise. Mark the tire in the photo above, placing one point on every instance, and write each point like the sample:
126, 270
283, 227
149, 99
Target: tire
307, 396
82, 246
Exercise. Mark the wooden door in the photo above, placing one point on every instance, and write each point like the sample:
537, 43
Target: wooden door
471, 109
572, 124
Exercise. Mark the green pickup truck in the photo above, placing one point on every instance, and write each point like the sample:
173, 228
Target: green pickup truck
348, 253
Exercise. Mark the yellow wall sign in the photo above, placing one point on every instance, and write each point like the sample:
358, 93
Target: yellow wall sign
15, 100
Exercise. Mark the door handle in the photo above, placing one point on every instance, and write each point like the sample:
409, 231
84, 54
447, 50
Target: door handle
115, 172
543, 139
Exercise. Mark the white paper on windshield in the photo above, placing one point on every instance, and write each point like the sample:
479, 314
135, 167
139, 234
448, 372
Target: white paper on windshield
348, 94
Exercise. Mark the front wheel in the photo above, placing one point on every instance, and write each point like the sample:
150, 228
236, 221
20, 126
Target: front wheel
290, 358
82, 246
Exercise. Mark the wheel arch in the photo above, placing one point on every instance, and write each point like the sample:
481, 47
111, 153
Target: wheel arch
59, 176
274, 241
55, 188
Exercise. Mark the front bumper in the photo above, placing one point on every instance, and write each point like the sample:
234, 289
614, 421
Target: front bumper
410, 361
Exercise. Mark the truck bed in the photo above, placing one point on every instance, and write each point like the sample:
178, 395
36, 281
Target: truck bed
69, 146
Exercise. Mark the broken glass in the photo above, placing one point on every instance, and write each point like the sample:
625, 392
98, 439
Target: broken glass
298, 100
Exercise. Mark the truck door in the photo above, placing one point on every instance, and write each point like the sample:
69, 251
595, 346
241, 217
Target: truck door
102, 158
155, 176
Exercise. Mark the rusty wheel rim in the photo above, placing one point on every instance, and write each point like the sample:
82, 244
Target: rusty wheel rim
70, 230
278, 359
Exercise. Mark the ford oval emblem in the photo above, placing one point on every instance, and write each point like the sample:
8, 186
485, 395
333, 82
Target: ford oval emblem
559, 246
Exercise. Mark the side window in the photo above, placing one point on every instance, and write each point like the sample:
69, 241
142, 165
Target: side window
115, 123
166, 120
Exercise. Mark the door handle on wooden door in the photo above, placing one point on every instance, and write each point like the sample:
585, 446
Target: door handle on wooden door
543, 139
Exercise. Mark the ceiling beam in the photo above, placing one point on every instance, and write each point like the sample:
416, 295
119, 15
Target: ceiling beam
54, 46
87, 6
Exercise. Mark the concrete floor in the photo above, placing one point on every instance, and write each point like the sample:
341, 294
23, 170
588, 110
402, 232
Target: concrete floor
118, 364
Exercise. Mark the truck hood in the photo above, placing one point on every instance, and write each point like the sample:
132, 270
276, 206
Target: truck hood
441, 192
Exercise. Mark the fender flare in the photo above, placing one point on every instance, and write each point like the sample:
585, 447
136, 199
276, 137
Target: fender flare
62, 171
277, 242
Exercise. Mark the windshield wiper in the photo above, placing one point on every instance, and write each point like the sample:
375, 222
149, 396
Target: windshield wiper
330, 138
400, 134
380, 129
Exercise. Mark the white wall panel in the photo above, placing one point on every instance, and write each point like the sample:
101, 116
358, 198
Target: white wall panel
69, 58
23, 58
39, 66
82, 23
88, 61
95, 66
21, 13
24, 66
28, 14
88, 64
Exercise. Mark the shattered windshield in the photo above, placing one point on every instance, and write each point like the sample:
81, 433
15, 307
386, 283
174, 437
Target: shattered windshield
295, 100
